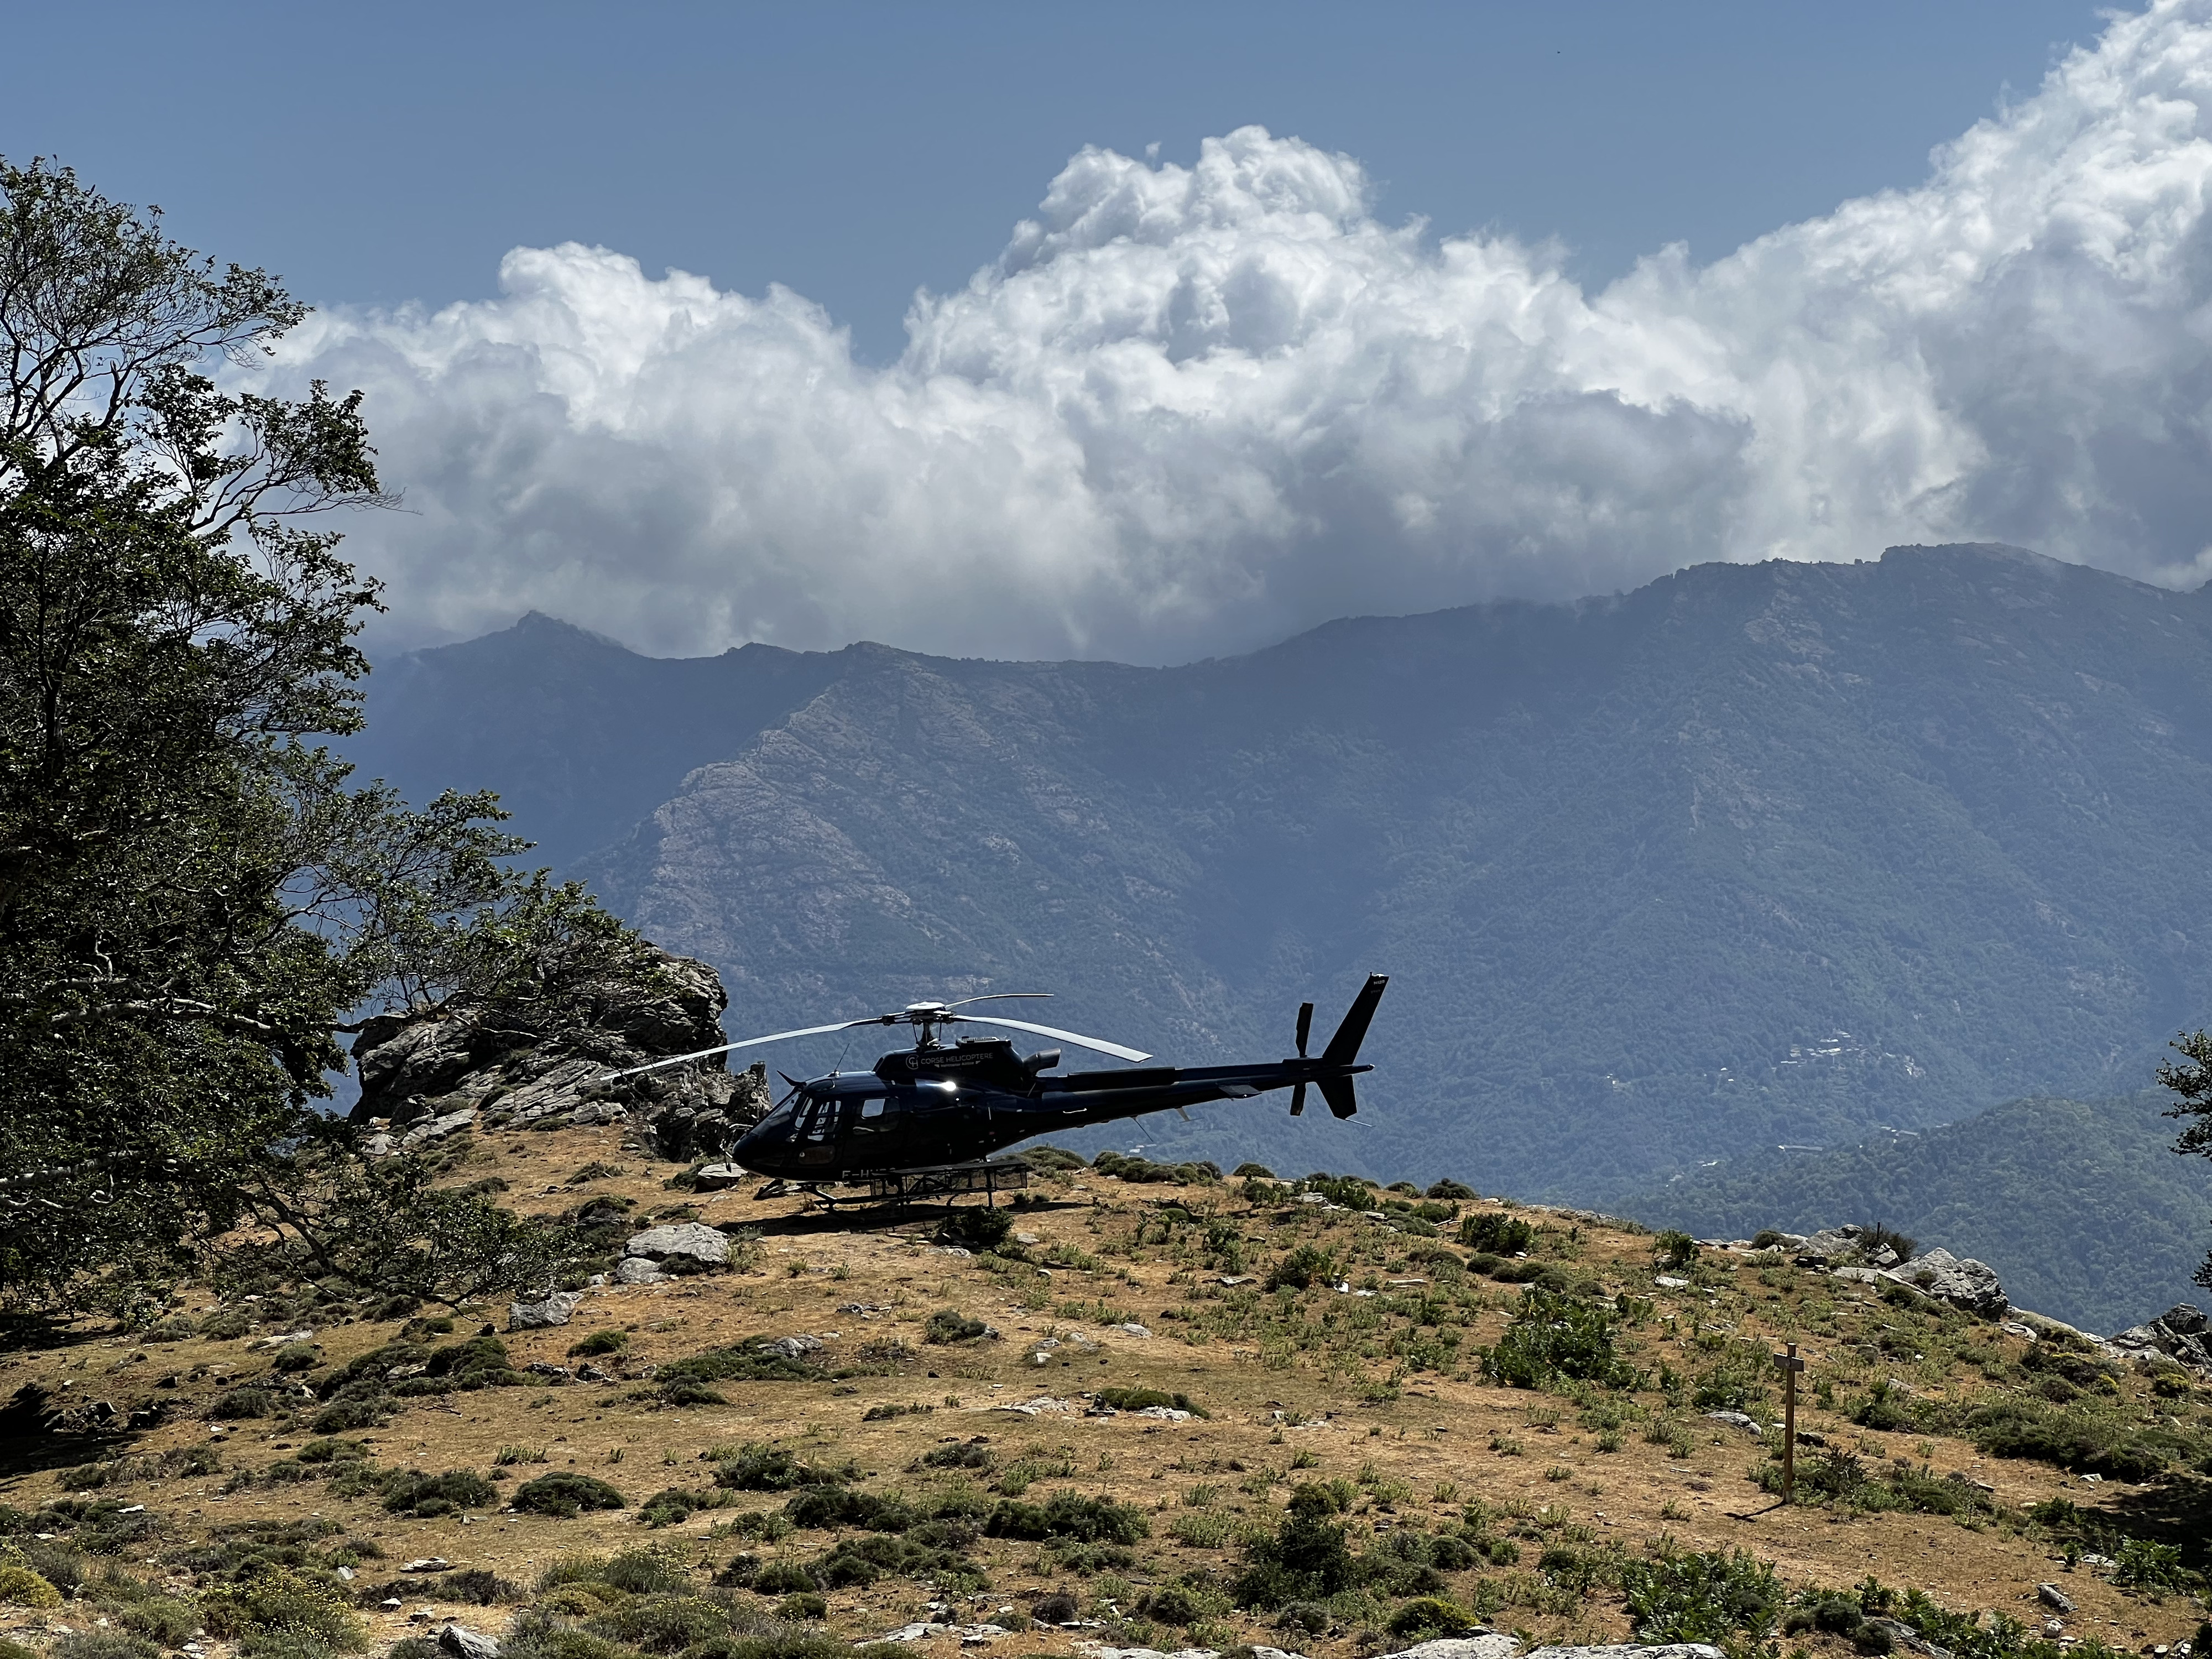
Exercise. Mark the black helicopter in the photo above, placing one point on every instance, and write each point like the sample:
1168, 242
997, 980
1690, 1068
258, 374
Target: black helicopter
940, 1107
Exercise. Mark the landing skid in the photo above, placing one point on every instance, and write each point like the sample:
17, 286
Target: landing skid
946, 1181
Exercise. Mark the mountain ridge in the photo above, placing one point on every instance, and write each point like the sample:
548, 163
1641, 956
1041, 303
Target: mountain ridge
1752, 853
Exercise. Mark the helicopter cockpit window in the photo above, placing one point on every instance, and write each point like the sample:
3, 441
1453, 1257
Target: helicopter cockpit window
819, 1123
871, 1115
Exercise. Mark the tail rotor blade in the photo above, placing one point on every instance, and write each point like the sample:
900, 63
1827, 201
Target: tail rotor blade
1298, 1100
1305, 1026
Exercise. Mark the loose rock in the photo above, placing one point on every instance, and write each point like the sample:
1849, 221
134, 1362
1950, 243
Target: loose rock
690, 1240
463, 1643
556, 1309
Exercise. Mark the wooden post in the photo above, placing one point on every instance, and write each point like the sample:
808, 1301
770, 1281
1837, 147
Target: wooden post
1790, 1364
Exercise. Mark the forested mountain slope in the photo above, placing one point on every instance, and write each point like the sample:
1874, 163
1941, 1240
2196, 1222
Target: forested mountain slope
1763, 855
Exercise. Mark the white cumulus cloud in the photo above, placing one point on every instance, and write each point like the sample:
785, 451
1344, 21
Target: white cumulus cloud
1192, 410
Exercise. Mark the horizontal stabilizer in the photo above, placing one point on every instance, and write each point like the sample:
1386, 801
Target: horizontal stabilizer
1337, 1092
1344, 1047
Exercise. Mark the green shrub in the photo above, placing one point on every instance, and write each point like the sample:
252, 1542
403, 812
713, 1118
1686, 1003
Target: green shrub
1431, 1615
662, 1622
2143, 1565
1137, 1400
1302, 1268
22, 1588
951, 1325
1305, 1560
1495, 1233
782, 1579
1674, 1250
282, 1600
298, 1357
1554, 1335
1172, 1605
976, 1227
233, 1404
755, 1466
975, 1453
410, 1492
840, 1506
599, 1342
1707, 1597
1071, 1515
163, 1619
565, 1494
1450, 1190
99, 1645
2073, 1439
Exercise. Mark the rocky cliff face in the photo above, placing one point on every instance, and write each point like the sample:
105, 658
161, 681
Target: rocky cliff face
474, 1063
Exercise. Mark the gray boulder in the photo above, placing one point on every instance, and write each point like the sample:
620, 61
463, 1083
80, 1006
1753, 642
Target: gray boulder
1961, 1282
558, 1309
2179, 1333
462, 1643
636, 1270
690, 1241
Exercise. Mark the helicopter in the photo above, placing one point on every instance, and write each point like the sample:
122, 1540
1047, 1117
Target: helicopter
924, 1116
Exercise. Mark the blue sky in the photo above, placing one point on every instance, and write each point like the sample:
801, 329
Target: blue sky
857, 152
1043, 331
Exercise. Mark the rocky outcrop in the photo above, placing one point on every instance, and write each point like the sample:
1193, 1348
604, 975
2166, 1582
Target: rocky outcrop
2179, 1334
1962, 1282
542, 1063
1850, 1252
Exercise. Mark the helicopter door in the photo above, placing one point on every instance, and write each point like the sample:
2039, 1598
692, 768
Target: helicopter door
813, 1142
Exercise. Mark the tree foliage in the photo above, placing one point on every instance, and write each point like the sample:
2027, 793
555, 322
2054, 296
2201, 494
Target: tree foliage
2191, 1085
193, 897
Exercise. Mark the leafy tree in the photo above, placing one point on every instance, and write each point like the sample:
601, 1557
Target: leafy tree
192, 896
2192, 1084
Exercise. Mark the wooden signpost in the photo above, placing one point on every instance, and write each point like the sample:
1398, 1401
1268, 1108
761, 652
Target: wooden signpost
1788, 1365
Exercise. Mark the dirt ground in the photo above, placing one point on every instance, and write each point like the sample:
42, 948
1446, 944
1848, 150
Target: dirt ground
1445, 1440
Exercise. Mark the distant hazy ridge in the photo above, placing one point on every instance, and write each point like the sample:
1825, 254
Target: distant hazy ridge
1754, 855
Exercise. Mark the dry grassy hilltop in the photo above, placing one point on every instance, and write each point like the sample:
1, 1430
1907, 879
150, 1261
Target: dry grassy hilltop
1163, 1410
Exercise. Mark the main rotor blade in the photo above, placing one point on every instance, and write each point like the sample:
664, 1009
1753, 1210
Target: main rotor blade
749, 1043
1305, 1026
1298, 1100
997, 996
1075, 1037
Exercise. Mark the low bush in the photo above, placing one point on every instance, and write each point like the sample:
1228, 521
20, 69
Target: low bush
1305, 1560
1496, 1233
599, 1342
951, 1325
1711, 1597
565, 1494
2081, 1441
1554, 1335
1071, 1515
1302, 1268
755, 1466
840, 1506
1431, 1615
976, 1227
410, 1492
1137, 1400
22, 1588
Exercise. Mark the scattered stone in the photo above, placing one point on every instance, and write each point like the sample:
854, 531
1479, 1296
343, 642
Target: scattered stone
1165, 1413
691, 1241
588, 1372
463, 1643
545, 1368
1629, 1650
2179, 1334
429, 1564
1130, 1329
556, 1309
1667, 1282
717, 1178
1482, 1644
792, 1347
1043, 1402
636, 1270
2054, 1598
390, 1604
1736, 1420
